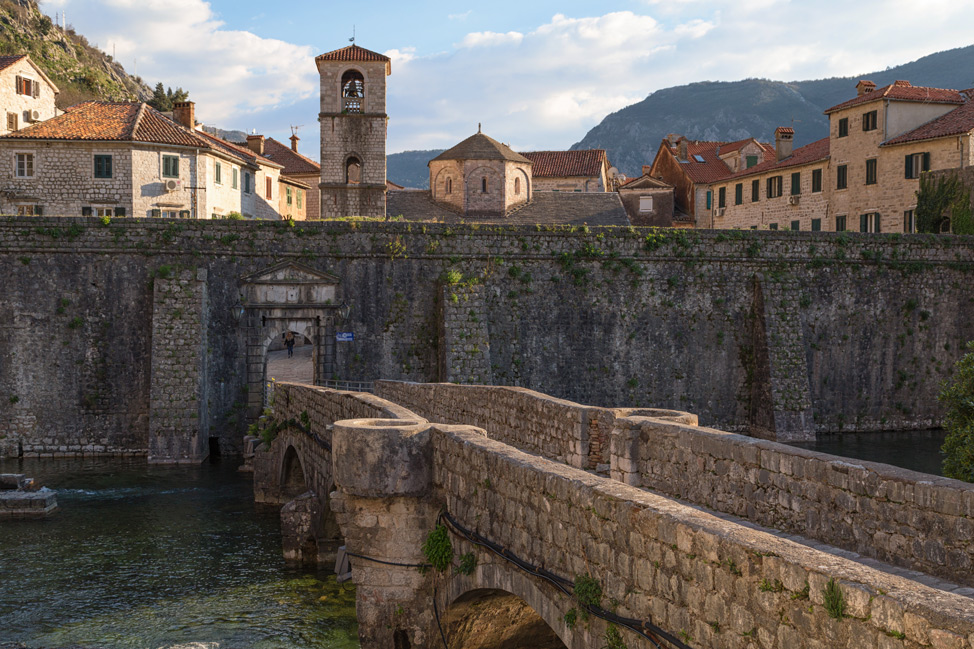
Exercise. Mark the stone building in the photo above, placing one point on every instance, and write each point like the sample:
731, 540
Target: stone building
882, 140
127, 159
27, 95
690, 166
570, 171
787, 193
292, 203
481, 177
353, 132
303, 171
649, 201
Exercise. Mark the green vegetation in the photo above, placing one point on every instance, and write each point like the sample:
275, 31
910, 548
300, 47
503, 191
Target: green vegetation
588, 592
468, 563
437, 548
944, 205
834, 600
613, 638
163, 98
957, 395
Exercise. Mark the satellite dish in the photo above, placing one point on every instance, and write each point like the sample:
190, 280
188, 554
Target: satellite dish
613, 172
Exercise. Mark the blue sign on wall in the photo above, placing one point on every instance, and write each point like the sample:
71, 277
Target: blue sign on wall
345, 336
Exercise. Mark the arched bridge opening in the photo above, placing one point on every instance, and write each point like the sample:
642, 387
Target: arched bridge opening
489, 618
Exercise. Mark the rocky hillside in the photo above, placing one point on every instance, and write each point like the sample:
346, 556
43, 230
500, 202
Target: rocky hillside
753, 108
80, 70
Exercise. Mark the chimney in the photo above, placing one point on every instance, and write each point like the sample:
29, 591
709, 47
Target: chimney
256, 143
184, 112
783, 141
294, 143
673, 138
683, 149
864, 86
647, 169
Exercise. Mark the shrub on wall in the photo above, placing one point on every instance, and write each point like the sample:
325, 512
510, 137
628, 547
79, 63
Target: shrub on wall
944, 203
958, 396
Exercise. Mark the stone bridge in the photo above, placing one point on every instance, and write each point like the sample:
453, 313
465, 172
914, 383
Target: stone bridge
575, 526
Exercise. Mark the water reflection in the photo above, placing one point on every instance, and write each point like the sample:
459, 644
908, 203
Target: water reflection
141, 557
918, 450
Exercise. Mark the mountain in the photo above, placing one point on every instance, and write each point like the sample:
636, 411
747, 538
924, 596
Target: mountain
80, 70
409, 168
733, 110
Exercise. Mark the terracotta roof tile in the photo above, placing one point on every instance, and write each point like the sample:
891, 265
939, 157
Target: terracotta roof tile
111, 121
712, 169
294, 163
958, 121
480, 147
352, 53
236, 150
817, 150
9, 59
560, 164
903, 91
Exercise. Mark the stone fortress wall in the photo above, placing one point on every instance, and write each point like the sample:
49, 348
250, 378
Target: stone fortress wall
853, 332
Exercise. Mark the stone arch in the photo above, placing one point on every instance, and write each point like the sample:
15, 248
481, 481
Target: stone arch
354, 169
293, 482
497, 595
352, 90
301, 326
525, 178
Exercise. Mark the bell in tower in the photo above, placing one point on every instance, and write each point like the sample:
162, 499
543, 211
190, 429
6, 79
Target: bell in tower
353, 132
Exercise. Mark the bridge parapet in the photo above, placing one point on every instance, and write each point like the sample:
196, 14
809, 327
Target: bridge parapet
557, 429
709, 581
902, 517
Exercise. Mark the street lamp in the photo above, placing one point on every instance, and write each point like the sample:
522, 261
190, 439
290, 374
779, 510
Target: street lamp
237, 310
343, 311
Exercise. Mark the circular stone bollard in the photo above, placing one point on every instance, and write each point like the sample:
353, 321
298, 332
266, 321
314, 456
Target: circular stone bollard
376, 458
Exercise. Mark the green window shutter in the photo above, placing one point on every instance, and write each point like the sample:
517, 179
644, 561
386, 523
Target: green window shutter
119, 211
155, 213
85, 211
709, 199
796, 225
755, 190
772, 226
864, 223
722, 197
796, 183
184, 214
38, 210
816, 225
908, 167
877, 221
739, 194
926, 161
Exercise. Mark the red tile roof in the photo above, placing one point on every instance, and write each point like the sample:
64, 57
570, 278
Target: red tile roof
712, 168
8, 60
112, 122
352, 53
958, 121
559, 164
244, 153
903, 91
294, 163
817, 150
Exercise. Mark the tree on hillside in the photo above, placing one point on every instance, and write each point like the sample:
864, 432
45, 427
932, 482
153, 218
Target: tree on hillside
160, 100
958, 396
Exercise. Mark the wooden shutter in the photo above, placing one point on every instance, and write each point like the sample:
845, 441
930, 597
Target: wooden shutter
184, 214
864, 223
877, 222
908, 166
119, 211
38, 210
19, 82
85, 211
36, 90
926, 161
155, 213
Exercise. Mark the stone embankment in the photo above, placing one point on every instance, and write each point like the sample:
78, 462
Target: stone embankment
21, 497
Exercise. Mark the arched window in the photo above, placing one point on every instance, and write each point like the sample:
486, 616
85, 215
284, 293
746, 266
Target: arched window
449, 185
483, 184
353, 171
517, 186
353, 91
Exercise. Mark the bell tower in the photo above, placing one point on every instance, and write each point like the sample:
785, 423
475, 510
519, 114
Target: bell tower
353, 132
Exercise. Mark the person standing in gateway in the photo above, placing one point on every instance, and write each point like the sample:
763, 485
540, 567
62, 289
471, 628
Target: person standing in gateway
289, 342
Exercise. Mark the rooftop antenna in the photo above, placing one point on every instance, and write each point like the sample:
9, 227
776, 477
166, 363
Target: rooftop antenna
478, 127
294, 129
352, 39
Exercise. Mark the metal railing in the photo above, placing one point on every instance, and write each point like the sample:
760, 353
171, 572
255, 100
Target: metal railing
350, 386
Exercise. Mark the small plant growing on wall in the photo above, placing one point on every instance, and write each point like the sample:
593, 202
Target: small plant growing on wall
958, 397
834, 600
437, 548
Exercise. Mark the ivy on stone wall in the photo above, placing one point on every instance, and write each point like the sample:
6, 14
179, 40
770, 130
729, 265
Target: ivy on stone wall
958, 397
944, 205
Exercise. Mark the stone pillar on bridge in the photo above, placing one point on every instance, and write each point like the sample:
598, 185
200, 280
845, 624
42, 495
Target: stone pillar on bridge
383, 477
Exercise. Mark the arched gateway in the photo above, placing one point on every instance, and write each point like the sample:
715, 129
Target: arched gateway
288, 296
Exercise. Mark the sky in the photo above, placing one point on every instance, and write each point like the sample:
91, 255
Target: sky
537, 74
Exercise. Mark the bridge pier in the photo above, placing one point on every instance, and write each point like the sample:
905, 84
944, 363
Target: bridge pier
383, 479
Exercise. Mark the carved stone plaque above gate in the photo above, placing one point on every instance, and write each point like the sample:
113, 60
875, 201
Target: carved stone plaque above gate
289, 284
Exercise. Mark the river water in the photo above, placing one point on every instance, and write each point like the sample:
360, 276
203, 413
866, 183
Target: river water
143, 557
918, 450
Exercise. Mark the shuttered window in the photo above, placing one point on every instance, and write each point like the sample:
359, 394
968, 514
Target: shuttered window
796, 183
917, 163
270, 187
816, 180
170, 166
871, 171
755, 190
738, 193
103, 166
841, 177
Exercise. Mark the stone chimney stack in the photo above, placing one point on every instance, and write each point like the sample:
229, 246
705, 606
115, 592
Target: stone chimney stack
256, 143
294, 143
683, 149
864, 86
783, 141
647, 169
184, 112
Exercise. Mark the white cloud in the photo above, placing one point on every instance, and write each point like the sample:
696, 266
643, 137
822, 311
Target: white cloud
461, 17
489, 39
228, 73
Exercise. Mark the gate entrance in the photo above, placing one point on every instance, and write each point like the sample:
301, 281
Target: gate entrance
288, 296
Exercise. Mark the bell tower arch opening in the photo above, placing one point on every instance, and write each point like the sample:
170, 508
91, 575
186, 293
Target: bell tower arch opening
353, 132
